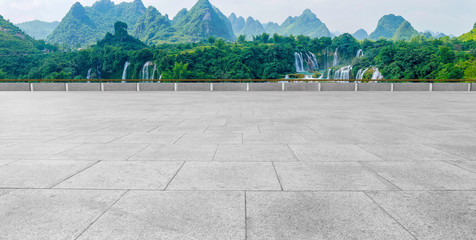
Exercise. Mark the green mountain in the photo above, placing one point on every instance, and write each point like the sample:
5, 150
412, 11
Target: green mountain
387, 26
14, 41
180, 15
307, 24
271, 27
204, 20
38, 29
85, 25
252, 28
470, 35
153, 27
237, 23
405, 32
360, 34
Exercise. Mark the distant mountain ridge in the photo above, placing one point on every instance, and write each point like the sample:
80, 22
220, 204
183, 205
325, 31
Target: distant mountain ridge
38, 29
306, 24
85, 25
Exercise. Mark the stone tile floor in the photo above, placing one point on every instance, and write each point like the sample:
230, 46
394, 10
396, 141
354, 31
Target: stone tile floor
237, 165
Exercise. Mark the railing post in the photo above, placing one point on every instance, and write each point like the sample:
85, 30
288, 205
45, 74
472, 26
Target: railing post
248, 87
356, 86
282, 86
102, 87
175, 86
392, 87
67, 87
211, 87
431, 87
469, 87
31, 87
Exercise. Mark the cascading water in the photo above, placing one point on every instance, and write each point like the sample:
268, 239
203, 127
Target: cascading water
124, 73
312, 61
89, 74
329, 73
377, 75
299, 62
99, 72
145, 70
154, 71
327, 58
361, 73
360, 53
343, 73
336, 58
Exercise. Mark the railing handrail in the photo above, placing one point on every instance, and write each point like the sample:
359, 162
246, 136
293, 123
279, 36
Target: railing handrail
234, 80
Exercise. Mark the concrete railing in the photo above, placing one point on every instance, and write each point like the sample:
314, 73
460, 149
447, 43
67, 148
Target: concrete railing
265, 86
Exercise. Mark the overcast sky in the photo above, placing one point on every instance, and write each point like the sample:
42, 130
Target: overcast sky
447, 16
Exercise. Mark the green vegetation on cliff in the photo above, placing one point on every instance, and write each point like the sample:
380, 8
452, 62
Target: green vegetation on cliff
470, 35
85, 25
307, 24
405, 32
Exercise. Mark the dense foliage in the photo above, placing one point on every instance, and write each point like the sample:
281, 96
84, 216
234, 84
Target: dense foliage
267, 57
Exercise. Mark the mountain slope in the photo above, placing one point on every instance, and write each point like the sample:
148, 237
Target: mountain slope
470, 35
271, 27
205, 20
14, 41
387, 26
405, 32
38, 29
85, 25
360, 34
307, 24
252, 28
237, 23
153, 27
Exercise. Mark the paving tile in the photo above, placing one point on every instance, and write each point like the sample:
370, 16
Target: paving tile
109, 152
211, 138
409, 152
248, 128
33, 151
432, 215
336, 176
173, 215
324, 215
425, 175
176, 152
468, 165
254, 153
51, 214
5, 162
225, 176
124, 175
90, 138
38, 174
330, 153
180, 129
157, 138
274, 138
466, 151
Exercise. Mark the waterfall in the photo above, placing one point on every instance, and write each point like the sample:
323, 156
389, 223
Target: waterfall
361, 73
336, 58
360, 53
313, 61
286, 77
329, 73
124, 73
299, 62
343, 73
153, 71
99, 72
145, 70
89, 74
160, 77
327, 57
377, 75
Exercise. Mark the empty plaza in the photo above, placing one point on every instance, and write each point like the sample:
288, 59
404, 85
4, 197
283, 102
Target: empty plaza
238, 165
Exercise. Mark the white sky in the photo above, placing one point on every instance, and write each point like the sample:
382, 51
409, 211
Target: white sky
448, 16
